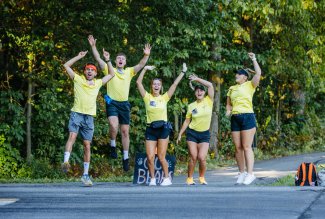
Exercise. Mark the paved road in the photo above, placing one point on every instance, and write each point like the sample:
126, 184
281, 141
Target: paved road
219, 199
266, 171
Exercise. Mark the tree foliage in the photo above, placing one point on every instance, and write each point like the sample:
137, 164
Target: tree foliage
212, 37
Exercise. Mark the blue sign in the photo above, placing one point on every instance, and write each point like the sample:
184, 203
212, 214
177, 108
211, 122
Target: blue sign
141, 173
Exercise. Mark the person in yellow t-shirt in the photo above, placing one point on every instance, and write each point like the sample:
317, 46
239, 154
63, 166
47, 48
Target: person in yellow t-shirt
243, 123
197, 125
119, 109
157, 131
81, 120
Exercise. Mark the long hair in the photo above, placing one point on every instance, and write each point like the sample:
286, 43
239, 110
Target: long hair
151, 83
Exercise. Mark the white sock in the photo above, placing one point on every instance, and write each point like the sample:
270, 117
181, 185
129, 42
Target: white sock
113, 143
86, 167
66, 157
125, 155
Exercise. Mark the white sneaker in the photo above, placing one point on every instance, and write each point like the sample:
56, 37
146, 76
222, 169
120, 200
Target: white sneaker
86, 180
249, 179
241, 177
152, 182
166, 182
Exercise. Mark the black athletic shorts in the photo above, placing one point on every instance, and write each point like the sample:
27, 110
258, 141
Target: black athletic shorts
243, 121
121, 109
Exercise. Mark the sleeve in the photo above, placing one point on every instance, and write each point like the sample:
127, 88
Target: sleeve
251, 87
132, 72
105, 70
166, 97
77, 78
209, 101
189, 112
99, 83
229, 91
146, 97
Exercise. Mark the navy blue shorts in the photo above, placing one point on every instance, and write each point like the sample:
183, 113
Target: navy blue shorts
121, 109
83, 124
243, 121
197, 137
153, 134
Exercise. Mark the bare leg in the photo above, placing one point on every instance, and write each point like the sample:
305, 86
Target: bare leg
203, 151
247, 137
86, 151
162, 150
240, 158
150, 150
193, 151
125, 137
71, 141
113, 126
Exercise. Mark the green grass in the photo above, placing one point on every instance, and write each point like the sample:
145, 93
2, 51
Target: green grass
66, 180
285, 181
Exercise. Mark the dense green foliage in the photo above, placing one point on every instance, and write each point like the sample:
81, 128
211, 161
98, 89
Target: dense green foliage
212, 37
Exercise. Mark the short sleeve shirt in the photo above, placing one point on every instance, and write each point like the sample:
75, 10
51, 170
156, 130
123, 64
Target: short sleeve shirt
241, 96
85, 95
156, 107
200, 114
119, 86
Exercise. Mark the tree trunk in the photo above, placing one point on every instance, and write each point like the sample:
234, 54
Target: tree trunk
214, 127
28, 122
215, 79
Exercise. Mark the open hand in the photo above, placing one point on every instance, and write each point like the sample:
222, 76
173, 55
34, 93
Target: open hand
184, 67
106, 55
91, 40
193, 77
251, 55
149, 67
178, 139
147, 49
82, 53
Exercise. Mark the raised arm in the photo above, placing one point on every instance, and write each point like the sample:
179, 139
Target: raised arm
184, 127
172, 88
257, 77
228, 107
208, 84
143, 61
140, 78
109, 63
111, 74
69, 63
92, 42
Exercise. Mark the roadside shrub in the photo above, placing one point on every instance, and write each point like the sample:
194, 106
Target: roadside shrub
9, 159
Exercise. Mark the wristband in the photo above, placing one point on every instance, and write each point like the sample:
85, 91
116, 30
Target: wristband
146, 54
108, 60
183, 72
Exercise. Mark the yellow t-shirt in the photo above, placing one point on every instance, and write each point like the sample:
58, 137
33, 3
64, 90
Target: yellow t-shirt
200, 114
241, 96
85, 95
156, 107
119, 86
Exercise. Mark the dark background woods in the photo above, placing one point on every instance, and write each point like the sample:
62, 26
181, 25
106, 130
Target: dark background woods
212, 37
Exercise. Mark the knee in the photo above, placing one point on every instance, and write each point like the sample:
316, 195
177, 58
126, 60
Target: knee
239, 149
125, 133
113, 127
193, 159
201, 159
161, 158
247, 148
87, 147
72, 137
151, 159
